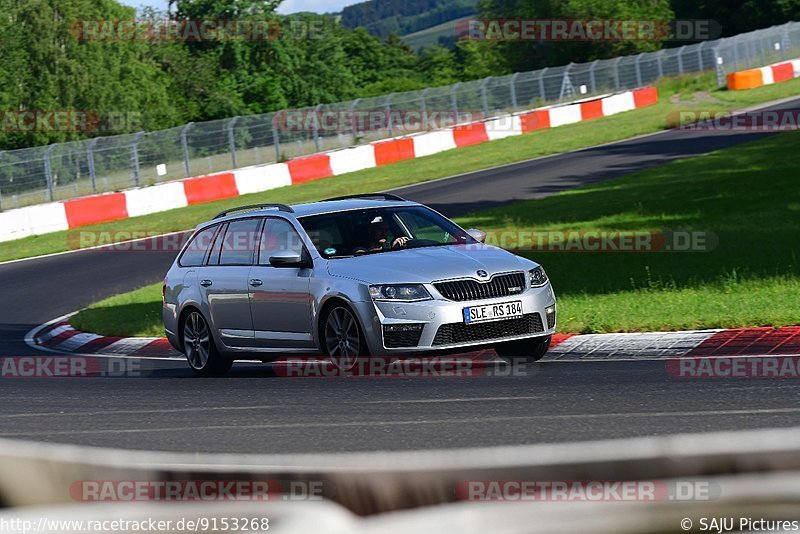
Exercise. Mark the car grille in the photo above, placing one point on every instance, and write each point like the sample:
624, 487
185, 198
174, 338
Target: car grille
503, 285
399, 336
454, 333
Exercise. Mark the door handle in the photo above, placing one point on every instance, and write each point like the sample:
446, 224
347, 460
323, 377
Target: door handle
206, 283
255, 282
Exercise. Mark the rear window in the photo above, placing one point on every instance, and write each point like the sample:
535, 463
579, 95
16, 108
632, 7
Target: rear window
195, 252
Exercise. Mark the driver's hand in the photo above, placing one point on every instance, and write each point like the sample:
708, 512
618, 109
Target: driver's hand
400, 242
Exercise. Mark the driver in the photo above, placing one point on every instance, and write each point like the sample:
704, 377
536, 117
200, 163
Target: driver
378, 236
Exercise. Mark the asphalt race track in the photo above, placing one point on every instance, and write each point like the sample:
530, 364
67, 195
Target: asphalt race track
256, 409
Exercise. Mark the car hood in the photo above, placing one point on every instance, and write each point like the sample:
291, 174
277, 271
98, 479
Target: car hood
428, 264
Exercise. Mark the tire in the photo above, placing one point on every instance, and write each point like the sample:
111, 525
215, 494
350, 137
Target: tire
531, 350
341, 337
199, 347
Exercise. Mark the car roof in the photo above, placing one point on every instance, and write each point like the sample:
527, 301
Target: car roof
318, 208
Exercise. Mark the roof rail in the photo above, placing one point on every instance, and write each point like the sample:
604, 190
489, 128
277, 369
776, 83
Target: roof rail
385, 196
252, 207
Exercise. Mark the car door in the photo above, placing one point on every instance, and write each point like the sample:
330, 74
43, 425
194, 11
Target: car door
280, 299
225, 281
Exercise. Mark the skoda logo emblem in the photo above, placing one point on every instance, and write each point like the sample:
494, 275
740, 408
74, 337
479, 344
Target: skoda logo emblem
483, 274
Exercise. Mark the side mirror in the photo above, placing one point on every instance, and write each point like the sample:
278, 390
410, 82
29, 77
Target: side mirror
477, 235
287, 259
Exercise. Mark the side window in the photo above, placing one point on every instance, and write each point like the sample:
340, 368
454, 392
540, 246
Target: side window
195, 252
213, 257
278, 236
325, 234
239, 245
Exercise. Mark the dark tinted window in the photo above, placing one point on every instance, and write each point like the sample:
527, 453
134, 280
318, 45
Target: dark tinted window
239, 245
376, 230
195, 253
278, 236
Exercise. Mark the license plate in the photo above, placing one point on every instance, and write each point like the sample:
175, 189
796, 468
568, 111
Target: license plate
493, 312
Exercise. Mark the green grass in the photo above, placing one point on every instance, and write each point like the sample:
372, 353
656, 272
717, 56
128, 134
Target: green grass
137, 313
467, 159
745, 197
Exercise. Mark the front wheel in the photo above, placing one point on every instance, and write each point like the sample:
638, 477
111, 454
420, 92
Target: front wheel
199, 347
532, 350
342, 338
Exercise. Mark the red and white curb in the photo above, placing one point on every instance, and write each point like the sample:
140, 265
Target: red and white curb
59, 336
766, 341
79, 212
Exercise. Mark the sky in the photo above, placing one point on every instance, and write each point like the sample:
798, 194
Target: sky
288, 6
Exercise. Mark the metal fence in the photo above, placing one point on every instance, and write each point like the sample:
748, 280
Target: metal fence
104, 164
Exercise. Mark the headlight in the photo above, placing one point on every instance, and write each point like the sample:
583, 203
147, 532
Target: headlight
405, 293
538, 277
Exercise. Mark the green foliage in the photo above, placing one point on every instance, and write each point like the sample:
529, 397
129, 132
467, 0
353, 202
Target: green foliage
523, 56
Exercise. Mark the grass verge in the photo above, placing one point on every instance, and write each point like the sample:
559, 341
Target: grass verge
742, 199
689, 92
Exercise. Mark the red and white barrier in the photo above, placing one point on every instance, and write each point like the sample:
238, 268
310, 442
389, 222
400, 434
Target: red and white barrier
352, 159
162, 197
258, 179
751, 78
35, 220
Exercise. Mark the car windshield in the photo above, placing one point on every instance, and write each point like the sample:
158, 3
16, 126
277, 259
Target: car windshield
378, 230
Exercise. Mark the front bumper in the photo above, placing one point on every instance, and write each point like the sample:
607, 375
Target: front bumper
442, 322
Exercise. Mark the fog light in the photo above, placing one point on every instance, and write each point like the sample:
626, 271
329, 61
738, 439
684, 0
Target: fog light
551, 316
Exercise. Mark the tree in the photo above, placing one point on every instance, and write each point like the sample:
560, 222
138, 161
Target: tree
524, 56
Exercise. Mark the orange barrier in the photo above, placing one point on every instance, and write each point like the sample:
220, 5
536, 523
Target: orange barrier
535, 120
470, 134
209, 188
387, 152
96, 209
782, 72
745, 79
311, 168
591, 110
645, 97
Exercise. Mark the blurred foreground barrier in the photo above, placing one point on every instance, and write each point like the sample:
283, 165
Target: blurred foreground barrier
38, 474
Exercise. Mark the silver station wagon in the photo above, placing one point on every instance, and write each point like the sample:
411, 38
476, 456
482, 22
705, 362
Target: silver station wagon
353, 277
